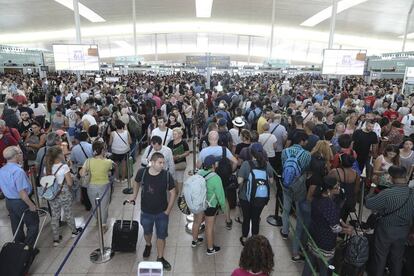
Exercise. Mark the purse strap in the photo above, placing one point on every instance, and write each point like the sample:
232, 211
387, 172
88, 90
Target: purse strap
399, 208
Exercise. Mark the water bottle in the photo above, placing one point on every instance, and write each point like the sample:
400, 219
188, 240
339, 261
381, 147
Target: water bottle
204, 145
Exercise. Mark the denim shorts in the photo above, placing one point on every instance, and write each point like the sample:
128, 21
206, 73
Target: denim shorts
161, 224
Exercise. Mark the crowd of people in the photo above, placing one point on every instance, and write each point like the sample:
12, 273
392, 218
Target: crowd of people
312, 144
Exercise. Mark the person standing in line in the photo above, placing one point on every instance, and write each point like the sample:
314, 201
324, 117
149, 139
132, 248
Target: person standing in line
396, 205
180, 151
120, 141
162, 131
54, 166
155, 207
16, 187
215, 198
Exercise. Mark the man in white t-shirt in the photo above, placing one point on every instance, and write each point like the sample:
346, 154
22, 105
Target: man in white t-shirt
408, 122
88, 119
163, 131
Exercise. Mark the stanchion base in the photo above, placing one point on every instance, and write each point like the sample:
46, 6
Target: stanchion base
189, 228
97, 258
190, 218
274, 220
128, 191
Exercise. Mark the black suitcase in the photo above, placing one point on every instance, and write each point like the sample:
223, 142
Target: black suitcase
125, 232
16, 257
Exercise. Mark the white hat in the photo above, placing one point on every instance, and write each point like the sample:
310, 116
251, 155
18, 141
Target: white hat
221, 106
238, 122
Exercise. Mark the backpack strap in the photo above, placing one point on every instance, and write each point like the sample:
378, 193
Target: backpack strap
80, 144
121, 138
165, 137
223, 152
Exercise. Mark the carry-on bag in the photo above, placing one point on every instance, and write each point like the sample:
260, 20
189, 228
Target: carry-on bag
17, 257
125, 232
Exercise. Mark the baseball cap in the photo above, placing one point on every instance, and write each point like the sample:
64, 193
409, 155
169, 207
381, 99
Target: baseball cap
209, 161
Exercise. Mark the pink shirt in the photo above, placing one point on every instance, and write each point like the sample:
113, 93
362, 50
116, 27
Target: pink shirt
157, 101
242, 272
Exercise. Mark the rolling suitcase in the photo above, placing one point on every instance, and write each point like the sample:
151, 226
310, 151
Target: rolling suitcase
16, 257
125, 232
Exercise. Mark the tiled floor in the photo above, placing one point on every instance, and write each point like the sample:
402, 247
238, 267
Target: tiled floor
185, 261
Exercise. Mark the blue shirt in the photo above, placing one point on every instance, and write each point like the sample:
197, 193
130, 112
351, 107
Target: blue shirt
254, 114
13, 179
77, 156
216, 151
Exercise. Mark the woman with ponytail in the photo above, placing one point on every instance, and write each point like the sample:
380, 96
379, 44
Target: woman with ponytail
251, 210
54, 166
99, 168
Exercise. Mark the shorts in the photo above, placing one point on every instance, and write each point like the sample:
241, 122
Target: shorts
179, 176
211, 211
119, 157
161, 224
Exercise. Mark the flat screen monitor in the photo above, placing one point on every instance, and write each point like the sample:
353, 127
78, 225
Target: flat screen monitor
343, 62
76, 57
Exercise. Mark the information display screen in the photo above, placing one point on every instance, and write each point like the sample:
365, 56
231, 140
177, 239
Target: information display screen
343, 62
76, 57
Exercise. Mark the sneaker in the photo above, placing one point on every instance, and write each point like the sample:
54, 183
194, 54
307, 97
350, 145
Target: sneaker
213, 251
165, 264
77, 232
298, 259
242, 240
56, 243
229, 224
2, 195
147, 251
284, 236
197, 242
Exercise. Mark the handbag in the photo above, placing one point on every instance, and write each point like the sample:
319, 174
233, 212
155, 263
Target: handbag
374, 218
183, 206
86, 179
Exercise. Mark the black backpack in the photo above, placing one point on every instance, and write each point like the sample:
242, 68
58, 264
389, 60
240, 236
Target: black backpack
356, 250
224, 138
253, 125
224, 169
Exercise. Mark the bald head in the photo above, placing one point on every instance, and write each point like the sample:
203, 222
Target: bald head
11, 153
213, 137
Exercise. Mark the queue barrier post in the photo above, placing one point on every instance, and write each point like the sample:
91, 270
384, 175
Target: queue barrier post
32, 177
102, 254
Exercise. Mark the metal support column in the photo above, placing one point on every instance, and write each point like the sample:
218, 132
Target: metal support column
78, 29
272, 30
333, 22
248, 49
407, 24
134, 22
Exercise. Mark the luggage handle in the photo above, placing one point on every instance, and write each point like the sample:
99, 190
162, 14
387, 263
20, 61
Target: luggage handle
123, 212
40, 229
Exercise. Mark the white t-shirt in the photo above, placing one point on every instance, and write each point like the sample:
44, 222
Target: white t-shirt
234, 132
71, 114
60, 175
406, 121
267, 140
165, 139
90, 119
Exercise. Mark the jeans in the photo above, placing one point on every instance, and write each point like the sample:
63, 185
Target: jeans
16, 208
95, 191
287, 205
250, 213
317, 264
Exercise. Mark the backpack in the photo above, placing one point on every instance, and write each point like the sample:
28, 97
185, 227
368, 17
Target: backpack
134, 128
257, 190
291, 169
49, 188
253, 123
356, 250
195, 192
224, 169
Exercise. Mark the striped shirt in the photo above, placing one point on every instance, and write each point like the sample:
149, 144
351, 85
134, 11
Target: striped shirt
390, 200
296, 150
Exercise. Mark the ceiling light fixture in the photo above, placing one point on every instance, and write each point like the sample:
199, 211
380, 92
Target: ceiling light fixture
203, 8
326, 13
83, 11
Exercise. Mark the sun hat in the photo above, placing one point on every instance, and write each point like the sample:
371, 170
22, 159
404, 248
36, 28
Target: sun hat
238, 122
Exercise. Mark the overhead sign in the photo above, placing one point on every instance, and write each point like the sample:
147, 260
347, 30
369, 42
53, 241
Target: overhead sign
76, 57
343, 62
208, 61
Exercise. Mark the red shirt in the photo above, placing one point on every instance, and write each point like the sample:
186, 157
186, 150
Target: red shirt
336, 162
242, 272
392, 115
370, 100
6, 141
